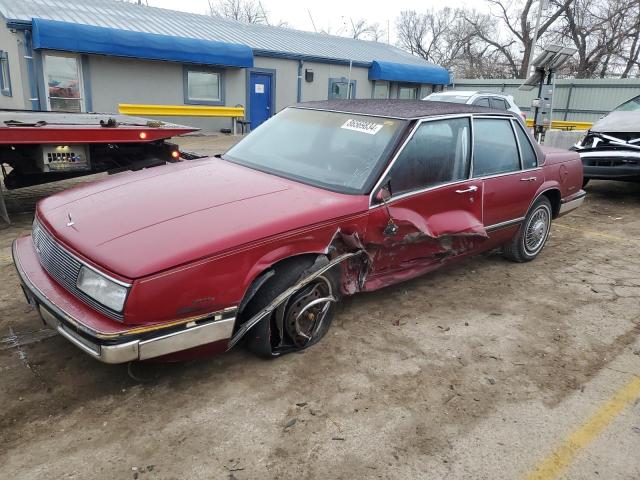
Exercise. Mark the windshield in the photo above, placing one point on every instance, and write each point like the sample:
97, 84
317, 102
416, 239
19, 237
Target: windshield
337, 151
439, 97
630, 105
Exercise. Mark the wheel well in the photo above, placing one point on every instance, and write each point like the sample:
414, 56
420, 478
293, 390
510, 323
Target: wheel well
554, 197
264, 275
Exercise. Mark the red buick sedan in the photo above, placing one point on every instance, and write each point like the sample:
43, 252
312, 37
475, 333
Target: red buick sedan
325, 199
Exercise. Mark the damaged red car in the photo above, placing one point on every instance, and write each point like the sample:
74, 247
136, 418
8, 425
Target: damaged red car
325, 199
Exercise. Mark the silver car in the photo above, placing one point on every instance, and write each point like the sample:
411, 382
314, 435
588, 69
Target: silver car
481, 99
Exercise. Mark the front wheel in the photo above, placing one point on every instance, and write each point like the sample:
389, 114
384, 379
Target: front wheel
533, 234
302, 319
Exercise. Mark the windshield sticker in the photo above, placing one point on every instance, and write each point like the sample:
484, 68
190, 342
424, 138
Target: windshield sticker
362, 126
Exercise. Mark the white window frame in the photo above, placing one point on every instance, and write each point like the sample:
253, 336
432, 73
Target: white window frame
380, 84
80, 78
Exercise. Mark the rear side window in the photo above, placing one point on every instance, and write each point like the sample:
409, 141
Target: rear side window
482, 102
438, 153
494, 149
529, 159
499, 103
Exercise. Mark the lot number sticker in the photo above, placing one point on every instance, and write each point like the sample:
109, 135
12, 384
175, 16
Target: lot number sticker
362, 126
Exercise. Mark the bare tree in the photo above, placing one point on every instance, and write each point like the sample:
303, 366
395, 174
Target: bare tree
362, 30
247, 11
605, 34
518, 19
448, 38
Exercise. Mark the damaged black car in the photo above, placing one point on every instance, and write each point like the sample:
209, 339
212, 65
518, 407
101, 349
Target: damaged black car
610, 150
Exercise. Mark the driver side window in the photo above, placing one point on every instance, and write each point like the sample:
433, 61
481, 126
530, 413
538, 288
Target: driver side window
438, 153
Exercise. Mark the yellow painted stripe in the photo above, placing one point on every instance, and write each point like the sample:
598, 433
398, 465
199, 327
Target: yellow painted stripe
562, 456
179, 110
598, 234
565, 124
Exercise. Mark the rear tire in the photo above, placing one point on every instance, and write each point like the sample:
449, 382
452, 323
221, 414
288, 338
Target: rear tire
533, 233
302, 319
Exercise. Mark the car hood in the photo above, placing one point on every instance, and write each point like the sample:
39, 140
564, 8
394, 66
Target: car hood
138, 223
623, 122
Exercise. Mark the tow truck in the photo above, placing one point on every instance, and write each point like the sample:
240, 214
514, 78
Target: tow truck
41, 147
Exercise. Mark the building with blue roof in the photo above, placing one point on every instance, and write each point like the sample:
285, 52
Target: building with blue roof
91, 55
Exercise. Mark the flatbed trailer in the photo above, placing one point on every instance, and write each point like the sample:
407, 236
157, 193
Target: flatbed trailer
41, 147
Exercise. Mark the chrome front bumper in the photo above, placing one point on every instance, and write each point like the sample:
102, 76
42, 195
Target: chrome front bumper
173, 342
156, 341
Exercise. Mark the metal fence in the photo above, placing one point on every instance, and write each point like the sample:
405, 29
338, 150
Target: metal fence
574, 100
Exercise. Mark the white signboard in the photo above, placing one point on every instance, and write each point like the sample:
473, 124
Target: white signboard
259, 88
362, 126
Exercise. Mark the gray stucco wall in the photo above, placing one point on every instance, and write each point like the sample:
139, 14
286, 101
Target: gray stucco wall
322, 72
120, 80
12, 43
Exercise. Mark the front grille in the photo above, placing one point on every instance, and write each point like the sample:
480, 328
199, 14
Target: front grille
63, 267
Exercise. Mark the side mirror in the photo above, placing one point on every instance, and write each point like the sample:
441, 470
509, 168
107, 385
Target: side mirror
384, 194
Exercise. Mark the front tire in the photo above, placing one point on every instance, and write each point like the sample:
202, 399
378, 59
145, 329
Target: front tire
303, 318
533, 234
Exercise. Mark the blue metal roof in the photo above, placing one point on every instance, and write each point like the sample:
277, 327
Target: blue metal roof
264, 40
74, 37
398, 72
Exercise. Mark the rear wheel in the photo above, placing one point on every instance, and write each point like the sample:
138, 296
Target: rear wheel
302, 319
533, 234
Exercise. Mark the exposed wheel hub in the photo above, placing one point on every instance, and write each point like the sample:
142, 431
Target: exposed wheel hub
306, 310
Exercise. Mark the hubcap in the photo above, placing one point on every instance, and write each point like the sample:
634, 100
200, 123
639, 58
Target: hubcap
536, 231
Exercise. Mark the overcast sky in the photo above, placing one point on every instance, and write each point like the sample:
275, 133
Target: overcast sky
329, 13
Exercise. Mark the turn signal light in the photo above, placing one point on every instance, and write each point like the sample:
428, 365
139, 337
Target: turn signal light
143, 135
175, 154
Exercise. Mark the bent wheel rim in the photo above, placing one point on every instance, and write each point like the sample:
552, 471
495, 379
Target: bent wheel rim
307, 311
536, 230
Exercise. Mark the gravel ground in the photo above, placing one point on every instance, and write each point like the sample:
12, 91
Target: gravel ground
476, 371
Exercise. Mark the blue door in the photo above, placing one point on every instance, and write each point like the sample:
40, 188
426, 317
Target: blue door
259, 98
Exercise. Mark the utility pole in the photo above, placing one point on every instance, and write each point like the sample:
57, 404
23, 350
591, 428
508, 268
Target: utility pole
542, 4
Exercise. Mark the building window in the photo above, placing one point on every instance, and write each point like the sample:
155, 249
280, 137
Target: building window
381, 90
203, 87
341, 88
63, 77
407, 92
5, 78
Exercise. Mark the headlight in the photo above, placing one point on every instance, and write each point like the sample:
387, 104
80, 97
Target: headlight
101, 289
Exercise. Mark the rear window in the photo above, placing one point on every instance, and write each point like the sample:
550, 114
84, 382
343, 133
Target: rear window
439, 97
630, 105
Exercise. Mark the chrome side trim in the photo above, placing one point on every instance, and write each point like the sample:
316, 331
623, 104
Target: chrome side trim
505, 224
568, 206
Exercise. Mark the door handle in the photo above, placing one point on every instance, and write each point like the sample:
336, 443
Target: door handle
529, 179
472, 188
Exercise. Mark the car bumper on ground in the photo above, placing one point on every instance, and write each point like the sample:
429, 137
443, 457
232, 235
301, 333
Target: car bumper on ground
611, 164
572, 202
105, 339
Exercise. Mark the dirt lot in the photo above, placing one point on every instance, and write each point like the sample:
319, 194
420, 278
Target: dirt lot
478, 371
